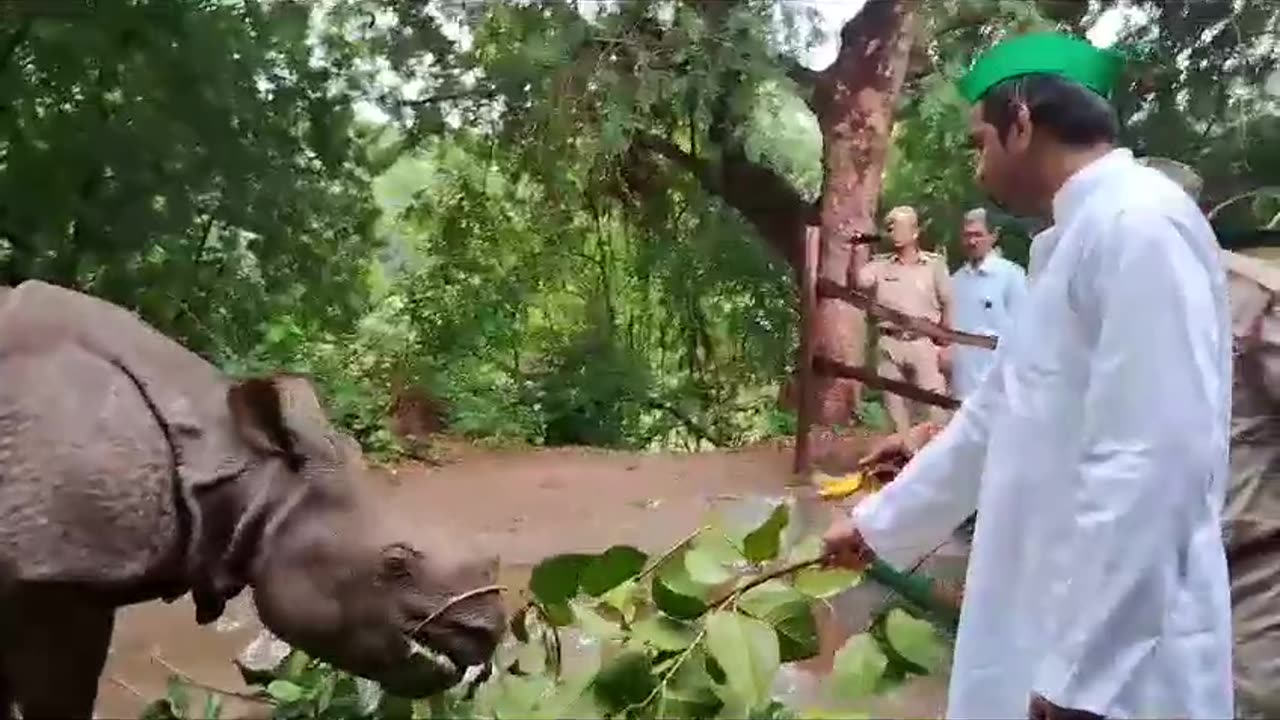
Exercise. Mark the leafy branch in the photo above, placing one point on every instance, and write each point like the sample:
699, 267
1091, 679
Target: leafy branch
698, 630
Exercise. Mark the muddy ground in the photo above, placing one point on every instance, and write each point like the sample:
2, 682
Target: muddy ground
523, 505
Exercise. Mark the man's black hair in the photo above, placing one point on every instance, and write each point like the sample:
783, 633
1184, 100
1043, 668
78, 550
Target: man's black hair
1072, 113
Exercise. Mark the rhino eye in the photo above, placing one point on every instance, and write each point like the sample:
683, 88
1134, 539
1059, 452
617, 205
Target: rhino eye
397, 561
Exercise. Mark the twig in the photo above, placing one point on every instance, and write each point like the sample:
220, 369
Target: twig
129, 688
766, 577
666, 676
188, 680
1265, 190
651, 567
487, 589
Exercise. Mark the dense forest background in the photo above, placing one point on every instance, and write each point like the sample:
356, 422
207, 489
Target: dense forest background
549, 222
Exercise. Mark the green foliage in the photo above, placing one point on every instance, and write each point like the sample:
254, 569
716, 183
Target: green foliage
545, 316
193, 165
539, 224
716, 652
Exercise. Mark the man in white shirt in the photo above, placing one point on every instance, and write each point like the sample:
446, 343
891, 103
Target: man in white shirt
1095, 450
985, 290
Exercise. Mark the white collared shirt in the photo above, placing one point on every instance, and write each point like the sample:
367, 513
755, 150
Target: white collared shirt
983, 298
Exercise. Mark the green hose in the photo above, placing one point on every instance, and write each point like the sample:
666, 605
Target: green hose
919, 592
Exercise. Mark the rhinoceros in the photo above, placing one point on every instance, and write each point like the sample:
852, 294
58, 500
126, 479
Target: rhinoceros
131, 470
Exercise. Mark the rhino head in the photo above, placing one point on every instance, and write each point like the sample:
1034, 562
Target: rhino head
330, 573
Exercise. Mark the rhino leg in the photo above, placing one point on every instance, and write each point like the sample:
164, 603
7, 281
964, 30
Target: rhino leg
54, 653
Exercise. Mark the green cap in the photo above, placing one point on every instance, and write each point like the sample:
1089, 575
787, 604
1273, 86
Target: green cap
1043, 52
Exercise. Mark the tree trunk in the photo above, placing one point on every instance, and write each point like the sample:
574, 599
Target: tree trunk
854, 100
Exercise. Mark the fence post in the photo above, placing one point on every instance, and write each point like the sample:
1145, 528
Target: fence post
804, 374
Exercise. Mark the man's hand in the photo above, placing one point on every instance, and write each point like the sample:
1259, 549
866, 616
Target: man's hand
900, 444
1041, 709
844, 546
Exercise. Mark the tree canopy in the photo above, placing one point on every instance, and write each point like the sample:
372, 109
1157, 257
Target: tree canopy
563, 222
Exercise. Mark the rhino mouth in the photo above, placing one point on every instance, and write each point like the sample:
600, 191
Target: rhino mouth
422, 672
437, 662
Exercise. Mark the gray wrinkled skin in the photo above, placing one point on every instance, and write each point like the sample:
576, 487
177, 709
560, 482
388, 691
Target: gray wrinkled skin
131, 470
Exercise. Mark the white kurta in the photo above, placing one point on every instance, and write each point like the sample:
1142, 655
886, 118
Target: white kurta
1095, 453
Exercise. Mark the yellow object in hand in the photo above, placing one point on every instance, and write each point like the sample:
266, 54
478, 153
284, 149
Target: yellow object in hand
834, 488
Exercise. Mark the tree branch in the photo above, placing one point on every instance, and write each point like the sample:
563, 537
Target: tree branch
806, 80
762, 196
469, 94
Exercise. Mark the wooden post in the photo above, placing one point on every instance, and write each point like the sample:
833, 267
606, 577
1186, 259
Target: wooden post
804, 376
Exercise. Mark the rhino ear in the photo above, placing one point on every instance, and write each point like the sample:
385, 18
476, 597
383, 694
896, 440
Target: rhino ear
258, 414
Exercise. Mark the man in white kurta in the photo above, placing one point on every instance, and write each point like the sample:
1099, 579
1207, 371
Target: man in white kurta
1095, 450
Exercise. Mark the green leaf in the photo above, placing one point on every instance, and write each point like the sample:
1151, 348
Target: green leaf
212, 706
789, 614
160, 709
711, 558
856, 669
515, 696
284, 691
368, 696
822, 583
593, 624
663, 633
625, 680
705, 568
695, 701
747, 650
559, 614
178, 695
677, 594
574, 698
612, 568
623, 599
763, 543
556, 579
915, 640
675, 603
689, 693
806, 549
395, 708
295, 664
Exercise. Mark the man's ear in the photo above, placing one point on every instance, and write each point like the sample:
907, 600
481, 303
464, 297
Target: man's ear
1020, 131
258, 416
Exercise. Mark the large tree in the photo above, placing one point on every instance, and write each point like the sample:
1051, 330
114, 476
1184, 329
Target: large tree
656, 94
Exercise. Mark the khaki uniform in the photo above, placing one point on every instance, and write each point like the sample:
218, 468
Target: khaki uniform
921, 289
1252, 515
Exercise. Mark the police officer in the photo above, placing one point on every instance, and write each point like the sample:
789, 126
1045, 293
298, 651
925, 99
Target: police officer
914, 282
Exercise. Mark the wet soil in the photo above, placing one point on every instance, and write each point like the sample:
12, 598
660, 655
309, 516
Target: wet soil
523, 505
